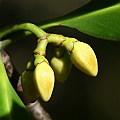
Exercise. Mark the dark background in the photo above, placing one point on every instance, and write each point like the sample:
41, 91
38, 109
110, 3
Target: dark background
80, 97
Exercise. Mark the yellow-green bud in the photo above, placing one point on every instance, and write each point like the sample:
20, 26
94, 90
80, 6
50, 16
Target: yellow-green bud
61, 66
84, 58
28, 86
44, 80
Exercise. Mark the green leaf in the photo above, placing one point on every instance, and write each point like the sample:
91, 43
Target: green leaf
99, 18
11, 107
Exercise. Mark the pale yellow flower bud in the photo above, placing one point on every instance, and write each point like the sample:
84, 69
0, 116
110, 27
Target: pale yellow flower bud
44, 80
28, 86
61, 66
84, 58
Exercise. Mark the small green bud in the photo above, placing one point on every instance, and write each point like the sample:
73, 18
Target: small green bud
44, 80
39, 59
84, 58
69, 43
30, 64
28, 86
61, 66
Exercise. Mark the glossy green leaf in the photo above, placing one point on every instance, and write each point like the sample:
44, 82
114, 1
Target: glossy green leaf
99, 18
11, 107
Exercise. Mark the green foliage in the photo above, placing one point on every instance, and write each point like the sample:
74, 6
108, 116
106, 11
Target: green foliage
99, 18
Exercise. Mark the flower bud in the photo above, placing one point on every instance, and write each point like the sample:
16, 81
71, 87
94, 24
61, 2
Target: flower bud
30, 64
28, 86
84, 58
44, 80
61, 66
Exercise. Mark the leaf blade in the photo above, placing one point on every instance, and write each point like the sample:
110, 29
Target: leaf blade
101, 23
98, 18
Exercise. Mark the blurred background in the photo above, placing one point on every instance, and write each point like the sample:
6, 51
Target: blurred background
81, 97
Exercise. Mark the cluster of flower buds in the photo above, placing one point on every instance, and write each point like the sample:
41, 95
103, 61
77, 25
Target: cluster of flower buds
39, 77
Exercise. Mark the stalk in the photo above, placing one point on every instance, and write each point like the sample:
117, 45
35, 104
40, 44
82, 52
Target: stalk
25, 28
